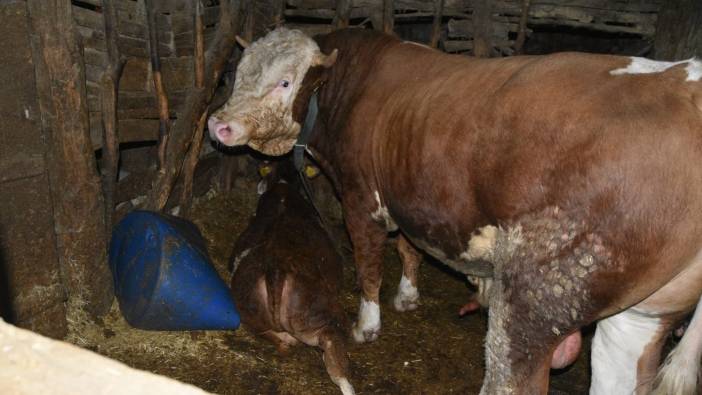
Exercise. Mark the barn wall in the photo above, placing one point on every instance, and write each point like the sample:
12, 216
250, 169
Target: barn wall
35, 294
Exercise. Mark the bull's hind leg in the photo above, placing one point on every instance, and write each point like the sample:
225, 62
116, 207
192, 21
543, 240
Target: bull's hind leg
626, 352
331, 340
407, 297
680, 373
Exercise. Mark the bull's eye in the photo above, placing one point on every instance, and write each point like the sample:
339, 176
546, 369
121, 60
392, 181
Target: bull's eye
284, 83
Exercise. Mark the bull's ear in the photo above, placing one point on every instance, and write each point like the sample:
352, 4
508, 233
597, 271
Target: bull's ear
325, 60
242, 42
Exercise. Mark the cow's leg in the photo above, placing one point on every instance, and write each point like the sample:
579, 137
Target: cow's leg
368, 239
335, 359
626, 352
407, 297
680, 371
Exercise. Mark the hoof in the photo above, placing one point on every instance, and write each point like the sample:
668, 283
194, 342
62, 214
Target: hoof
364, 335
405, 303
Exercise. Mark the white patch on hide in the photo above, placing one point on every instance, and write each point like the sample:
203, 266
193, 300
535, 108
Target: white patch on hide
648, 66
483, 284
382, 215
418, 44
368, 326
238, 259
407, 295
679, 374
344, 385
618, 344
481, 246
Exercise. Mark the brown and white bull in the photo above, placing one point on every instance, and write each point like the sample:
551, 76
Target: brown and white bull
579, 176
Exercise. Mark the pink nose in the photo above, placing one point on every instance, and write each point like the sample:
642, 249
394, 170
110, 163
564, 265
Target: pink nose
228, 133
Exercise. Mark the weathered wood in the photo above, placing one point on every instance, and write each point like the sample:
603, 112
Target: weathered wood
678, 35
521, 34
109, 93
482, 29
436, 23
343, 12
163, 113
32, 364
388, 16
73, 178
279, 12
193, 154
196, 103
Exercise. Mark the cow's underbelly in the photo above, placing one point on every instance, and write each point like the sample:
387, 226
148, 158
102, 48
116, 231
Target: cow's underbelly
679, 295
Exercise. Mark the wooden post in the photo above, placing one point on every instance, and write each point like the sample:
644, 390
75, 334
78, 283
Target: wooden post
109, 85
196, 104
279, 13
388, 16
482, 28
521, 33
343, 13
678, 33
436, 23
193, 154
76, 193
164, 125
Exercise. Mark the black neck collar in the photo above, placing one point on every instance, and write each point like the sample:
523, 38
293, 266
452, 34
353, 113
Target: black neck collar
303, 138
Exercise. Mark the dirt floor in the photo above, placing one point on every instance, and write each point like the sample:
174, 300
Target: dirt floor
429, 351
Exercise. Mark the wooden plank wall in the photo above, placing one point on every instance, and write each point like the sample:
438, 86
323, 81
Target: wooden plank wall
138, 112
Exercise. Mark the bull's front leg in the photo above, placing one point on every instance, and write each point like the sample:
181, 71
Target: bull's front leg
368, 239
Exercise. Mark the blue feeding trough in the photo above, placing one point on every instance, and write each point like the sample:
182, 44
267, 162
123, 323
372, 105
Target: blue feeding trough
163, 277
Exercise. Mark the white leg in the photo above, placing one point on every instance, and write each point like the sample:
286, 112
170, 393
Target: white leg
407, 297
368, 326
680, 372
619, 342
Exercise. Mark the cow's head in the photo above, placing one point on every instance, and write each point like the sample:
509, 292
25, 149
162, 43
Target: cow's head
268, 79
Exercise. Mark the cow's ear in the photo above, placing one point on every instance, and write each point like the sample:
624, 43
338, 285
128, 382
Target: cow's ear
325, 60
244, 44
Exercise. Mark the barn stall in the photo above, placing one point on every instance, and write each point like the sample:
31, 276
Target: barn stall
104, 105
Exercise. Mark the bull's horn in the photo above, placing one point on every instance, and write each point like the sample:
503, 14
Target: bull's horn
242, 42
325, 60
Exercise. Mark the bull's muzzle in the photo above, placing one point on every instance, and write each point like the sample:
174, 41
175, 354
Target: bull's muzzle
228, 133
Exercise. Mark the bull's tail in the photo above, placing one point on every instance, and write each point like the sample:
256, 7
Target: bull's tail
680, 373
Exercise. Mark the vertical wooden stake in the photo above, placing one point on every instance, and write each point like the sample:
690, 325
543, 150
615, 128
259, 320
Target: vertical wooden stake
482, 28
109, 85
279, 16
521, 34
436, 23
164, 125
193, 154
388, 16
196, 104
343, 13
76, 193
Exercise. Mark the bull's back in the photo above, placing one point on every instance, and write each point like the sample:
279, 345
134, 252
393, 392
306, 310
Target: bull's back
490, 140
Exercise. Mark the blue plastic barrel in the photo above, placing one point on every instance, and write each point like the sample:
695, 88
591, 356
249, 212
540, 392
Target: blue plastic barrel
163, 277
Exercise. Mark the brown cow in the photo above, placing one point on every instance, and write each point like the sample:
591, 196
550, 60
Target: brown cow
580, 171
287, 275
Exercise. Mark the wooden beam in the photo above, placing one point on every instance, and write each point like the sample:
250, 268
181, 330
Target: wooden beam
108, 98
436, 23
76, 193
521, 33
163, 114
193, 154
196, 103
343, 13
482, 28
678, 34
388, 16
279, 13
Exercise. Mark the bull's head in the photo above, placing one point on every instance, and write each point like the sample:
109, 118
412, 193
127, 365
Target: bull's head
268, 78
